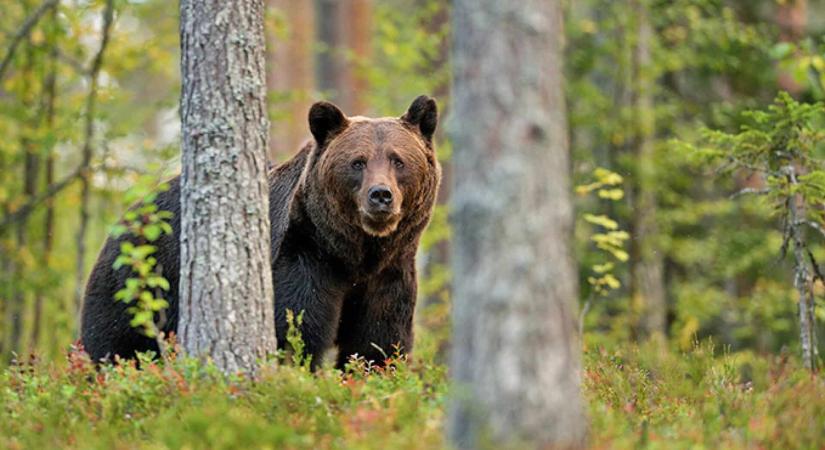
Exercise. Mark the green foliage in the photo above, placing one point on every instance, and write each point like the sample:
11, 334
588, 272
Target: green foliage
295, 341
143, 225
42, 104
786, 135
410, 45
782, 144
647, 398
183, 404
709, 61
638, 398
609, 239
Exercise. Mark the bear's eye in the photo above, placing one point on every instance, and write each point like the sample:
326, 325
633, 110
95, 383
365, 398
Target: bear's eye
398, 163
358, 164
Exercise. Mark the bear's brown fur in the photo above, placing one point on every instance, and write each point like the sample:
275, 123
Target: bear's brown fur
347, 213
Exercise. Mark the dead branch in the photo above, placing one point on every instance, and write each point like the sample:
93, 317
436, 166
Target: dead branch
813, 225
749, 191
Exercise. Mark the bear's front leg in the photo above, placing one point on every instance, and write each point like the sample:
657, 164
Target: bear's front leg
378, 320
304, 287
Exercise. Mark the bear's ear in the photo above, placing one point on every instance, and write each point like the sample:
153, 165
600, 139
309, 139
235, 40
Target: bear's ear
325, 121
423, 114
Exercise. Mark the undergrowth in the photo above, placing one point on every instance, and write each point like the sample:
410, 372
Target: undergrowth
639, 397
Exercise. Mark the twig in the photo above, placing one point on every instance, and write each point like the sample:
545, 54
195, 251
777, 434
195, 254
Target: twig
747, 191
23, 212
786, 232
815, 265
24, 31
56, 188
813, 225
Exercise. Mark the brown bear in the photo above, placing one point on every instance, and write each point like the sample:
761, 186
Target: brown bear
347, 212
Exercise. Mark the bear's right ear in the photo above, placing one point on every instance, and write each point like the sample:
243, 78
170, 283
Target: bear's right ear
423, 114
325, 121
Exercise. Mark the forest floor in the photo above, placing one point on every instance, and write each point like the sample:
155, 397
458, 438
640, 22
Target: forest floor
639, 397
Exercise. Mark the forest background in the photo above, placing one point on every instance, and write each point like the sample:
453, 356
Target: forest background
672, 248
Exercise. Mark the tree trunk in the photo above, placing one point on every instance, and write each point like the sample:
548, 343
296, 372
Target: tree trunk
328, 36
437, 259
647, 286
30, 170
226, 294
50, 96
290, 74
802, 275
357, 37
86, 155
344, 31
516, 355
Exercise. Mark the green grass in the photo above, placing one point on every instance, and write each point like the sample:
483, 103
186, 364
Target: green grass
638, 398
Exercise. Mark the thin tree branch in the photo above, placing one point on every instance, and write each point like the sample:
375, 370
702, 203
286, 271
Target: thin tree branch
747, 191
54, 189
815, 265
786, 232
24, 31
24, 211
813, 225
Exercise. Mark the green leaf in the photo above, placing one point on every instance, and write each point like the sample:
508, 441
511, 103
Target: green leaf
152, 232
611, 194
602, 221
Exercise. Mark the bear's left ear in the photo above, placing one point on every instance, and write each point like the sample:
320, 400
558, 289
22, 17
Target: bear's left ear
325, 121
423, 114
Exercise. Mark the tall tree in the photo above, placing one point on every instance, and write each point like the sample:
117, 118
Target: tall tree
344, 31
85, 169
226, 295
290, 73
356, 18
48, 112
647, 284
516, 354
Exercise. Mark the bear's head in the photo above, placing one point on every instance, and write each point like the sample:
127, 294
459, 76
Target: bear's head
375, 174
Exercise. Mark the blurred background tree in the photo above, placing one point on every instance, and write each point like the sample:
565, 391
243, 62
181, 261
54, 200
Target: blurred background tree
639, 74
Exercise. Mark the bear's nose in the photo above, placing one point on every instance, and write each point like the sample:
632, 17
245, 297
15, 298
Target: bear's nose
380, 196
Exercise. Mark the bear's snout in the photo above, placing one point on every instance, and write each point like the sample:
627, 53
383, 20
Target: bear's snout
380, 212
380, 198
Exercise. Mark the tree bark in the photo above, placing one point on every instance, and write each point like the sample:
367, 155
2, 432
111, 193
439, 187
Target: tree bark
647, 286
30, 170
85, 169
344, 30
226, 294
516, 354
357, 39
50, 97
291, 59
803, 281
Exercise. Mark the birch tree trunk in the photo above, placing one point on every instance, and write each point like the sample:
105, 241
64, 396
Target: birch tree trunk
226, 294
516, 354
